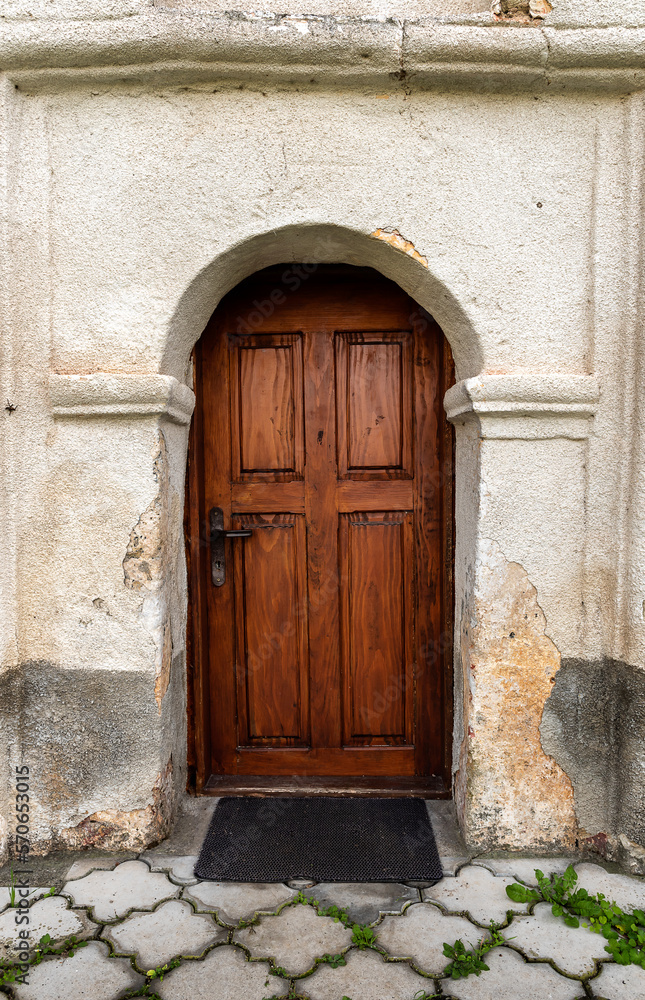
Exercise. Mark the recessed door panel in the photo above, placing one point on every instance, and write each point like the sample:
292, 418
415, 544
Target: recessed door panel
266, 425
377, 625
272, 660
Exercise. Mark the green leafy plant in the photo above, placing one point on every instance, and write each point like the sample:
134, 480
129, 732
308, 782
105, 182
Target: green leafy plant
160, 971
334, 960
51, 892
470, 961
363, 936
12, 888
624, 931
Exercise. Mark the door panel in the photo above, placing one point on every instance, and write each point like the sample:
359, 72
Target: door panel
377, 626
266, 402
373, 376
322, 430
272, 662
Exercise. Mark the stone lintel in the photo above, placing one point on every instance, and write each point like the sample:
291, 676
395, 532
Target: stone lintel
106, 394
526, 406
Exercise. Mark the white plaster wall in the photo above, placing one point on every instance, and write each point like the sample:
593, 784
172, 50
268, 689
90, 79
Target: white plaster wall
131, 208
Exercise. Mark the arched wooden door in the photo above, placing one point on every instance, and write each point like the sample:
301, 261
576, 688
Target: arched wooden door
321, 631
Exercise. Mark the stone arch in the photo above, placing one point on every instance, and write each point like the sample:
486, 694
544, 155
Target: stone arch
387, 252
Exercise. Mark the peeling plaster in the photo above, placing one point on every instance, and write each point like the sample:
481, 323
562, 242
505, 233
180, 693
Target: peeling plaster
116, 830
394, 238
524, 11
516, 796
145, 569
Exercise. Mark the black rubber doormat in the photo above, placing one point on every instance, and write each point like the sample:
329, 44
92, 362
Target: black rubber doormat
326, 839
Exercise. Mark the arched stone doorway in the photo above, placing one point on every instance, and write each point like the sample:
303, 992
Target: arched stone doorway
322, 644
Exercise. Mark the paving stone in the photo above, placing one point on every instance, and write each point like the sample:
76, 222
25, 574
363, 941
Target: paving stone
420, 935
364, 901
510, 978
523, 869
89, 975
34, 894
170, 931
477, 892
626, 890
48, 916
235, 901
295, 938
111, 894
573, 949
619, 982
180, 869
365, 977
223, 975
85, 865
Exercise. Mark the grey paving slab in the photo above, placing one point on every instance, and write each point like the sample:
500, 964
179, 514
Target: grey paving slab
110, 894
364, 901
172, 930
90, 974
365, 977
476, 891
511, 978
523, 869
224, 974
33, 894
626, 890
573, 949
83, 866
420, 935
295, 938
619, 982
235, 901
48, 916
450, 843
180, 868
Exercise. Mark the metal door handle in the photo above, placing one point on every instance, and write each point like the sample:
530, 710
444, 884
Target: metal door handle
218, 536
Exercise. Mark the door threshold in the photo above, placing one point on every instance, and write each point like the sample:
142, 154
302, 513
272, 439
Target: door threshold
432, 787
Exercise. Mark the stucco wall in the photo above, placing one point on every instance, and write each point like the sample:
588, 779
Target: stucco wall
135, 198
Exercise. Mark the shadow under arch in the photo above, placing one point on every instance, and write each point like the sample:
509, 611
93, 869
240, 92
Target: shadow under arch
322, 244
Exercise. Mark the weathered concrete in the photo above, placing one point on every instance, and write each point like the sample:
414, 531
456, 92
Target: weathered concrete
89, 975
112, 894
171, 930
510, 978
593, 726
295, 938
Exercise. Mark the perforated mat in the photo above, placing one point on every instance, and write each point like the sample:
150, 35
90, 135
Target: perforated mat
326, 839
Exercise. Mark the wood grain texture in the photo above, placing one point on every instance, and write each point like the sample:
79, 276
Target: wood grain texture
271, 613
341, 599
266, 407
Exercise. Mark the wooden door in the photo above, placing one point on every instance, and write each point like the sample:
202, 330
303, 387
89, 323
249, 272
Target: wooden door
320, 427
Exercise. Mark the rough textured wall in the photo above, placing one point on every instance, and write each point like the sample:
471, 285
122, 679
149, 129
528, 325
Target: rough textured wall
131, 206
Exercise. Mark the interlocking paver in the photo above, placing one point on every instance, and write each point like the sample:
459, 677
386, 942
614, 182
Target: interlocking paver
420, 935
365, 977
110, 894
619, 982
573, 949
364, 901
223, 975
510, 978
85, 865
90, 974
181, 869
477, 892
235, 901
48, 916
523, 869
33, 894
626, 890
295, 938
171, 930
